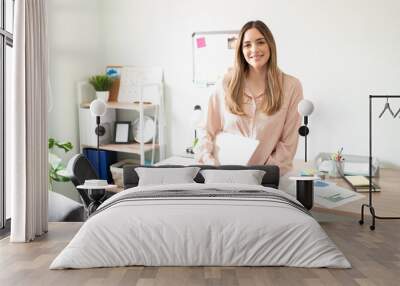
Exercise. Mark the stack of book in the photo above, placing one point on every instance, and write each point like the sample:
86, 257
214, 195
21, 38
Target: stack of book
361, 184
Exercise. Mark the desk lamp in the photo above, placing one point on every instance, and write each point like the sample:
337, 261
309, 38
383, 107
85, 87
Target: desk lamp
305, 109
98, 108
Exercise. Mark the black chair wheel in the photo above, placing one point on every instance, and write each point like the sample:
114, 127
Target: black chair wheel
372, 227
361, 222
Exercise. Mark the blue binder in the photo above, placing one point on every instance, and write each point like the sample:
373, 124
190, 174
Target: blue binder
103, 166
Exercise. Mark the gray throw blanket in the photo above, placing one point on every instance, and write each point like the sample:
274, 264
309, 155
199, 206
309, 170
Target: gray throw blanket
204, 193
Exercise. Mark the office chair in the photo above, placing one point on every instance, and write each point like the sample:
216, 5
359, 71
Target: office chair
80, 169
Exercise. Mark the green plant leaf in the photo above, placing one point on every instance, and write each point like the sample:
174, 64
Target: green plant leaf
56, 174
101, 82
58, 178
66, 146
56, 168
51, 142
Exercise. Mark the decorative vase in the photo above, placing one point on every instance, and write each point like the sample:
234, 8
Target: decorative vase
103, 95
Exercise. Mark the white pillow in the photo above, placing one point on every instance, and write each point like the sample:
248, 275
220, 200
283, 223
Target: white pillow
165, 176
248, 177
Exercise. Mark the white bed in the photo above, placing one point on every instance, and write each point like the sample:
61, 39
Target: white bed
185, 230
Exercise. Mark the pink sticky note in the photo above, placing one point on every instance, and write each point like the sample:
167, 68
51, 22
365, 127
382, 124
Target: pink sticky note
201, 42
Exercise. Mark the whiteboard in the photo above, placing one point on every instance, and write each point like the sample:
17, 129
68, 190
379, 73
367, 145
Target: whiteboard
213, 54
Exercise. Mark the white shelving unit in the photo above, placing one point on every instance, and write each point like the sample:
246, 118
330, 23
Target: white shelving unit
156, 110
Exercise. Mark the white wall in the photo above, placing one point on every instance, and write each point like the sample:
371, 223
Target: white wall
74, 55
342, 51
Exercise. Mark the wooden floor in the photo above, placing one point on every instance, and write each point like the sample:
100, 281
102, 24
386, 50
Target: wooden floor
374, 255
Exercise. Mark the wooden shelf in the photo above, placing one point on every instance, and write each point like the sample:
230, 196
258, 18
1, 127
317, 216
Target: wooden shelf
124, 105
126, 148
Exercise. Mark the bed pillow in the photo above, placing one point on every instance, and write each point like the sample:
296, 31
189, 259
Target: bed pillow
248, 177
166, 176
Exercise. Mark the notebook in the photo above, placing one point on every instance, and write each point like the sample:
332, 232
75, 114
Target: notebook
358, 181
231, 149
361, 184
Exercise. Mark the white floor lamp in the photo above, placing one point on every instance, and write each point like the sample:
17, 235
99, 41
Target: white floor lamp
98, 108
305, 109
196, 118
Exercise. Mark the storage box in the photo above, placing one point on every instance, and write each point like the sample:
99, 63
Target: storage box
117, 170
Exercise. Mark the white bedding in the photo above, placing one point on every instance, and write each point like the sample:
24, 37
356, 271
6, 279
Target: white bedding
200, 231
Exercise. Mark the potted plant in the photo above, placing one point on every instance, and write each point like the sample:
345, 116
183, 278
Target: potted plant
102, 84
57, 172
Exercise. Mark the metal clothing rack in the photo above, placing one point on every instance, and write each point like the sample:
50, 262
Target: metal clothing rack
370, 205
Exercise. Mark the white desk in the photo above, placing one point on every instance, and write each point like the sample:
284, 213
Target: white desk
184, 160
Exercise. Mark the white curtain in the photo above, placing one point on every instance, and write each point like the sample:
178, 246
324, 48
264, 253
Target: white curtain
27, 151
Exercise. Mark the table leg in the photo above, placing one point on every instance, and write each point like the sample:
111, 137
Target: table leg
305, 193
96, 196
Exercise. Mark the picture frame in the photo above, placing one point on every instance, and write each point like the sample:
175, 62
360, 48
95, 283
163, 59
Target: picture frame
122, 130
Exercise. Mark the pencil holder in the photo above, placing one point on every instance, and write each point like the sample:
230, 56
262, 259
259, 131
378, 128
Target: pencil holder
336, 169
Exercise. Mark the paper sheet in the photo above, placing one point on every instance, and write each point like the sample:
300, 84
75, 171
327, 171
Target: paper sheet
326, 194
233, 149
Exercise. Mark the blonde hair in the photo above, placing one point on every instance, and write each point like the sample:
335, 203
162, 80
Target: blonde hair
234, 79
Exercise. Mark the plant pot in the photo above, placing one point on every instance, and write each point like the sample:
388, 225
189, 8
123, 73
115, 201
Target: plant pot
103, 95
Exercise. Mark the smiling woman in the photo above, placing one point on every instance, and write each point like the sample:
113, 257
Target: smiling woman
255, 49
255, 100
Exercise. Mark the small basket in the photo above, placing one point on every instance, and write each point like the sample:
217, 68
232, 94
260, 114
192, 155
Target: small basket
117, 171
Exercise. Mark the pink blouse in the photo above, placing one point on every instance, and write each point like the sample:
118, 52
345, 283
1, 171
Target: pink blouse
278, 133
